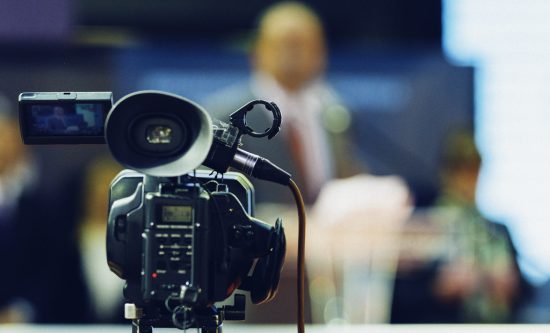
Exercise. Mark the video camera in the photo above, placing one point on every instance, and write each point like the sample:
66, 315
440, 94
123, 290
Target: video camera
183, 238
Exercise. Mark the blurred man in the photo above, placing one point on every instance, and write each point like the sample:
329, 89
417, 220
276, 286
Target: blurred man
56, 122
472, 275
288, 61
41, 280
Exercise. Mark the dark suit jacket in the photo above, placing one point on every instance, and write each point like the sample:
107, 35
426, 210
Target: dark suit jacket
345, 163
345, 159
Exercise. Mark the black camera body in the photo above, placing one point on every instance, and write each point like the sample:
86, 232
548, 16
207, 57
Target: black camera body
197, 238
183, 238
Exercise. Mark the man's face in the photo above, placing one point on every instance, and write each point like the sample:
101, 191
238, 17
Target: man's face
293, 52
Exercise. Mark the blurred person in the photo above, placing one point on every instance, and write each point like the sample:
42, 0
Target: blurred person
36, 218
35, 233
43, 280
472, 275
56, 122
288, 60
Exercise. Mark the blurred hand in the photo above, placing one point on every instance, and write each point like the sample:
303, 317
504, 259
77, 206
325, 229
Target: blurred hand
456, 281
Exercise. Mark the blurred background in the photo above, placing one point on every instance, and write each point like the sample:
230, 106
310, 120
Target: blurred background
409, 73
386, 62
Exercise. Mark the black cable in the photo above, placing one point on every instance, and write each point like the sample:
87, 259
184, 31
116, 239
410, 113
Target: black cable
301, 252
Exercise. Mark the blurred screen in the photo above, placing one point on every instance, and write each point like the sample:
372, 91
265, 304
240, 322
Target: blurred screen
60, 119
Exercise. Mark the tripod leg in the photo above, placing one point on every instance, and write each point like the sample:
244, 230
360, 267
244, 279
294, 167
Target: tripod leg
139, 327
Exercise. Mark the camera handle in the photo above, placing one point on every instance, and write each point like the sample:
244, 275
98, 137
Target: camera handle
238, 119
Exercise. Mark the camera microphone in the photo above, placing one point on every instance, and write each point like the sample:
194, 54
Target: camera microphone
259, 167
225, 152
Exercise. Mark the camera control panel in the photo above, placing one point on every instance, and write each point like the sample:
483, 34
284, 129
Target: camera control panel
169, 243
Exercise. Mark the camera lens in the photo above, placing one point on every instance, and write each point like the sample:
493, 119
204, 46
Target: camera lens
159, 135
